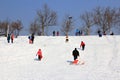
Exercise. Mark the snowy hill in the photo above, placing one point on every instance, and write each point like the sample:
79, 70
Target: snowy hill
18, 61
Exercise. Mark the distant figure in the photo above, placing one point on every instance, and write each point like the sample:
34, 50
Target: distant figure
77, 32
81, 32
12, 37
75, 54
82, 44
53, 33
99, 33
111, 33
67, 38
32, 38
57, 33
39, 53
104, 33
8, 38
30, 41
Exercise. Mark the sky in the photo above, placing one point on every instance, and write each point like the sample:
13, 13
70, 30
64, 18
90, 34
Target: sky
25, 10
101, 58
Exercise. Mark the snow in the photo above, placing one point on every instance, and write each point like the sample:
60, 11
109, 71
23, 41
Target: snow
18, 61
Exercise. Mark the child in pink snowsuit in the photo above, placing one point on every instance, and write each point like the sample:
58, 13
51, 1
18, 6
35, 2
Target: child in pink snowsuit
39, 53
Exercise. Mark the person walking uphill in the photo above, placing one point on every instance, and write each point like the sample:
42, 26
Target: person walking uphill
82, 45
75, 54
39, 53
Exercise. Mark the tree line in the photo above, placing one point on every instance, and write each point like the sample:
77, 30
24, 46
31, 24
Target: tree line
100, 18
104, 19
7, 27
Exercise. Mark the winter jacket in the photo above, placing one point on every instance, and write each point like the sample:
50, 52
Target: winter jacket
8, 37
12, 36
75, 52
32, 38
82, 44
39, 53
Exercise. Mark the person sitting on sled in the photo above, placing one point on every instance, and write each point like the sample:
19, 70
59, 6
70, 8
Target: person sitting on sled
82, 45
39, 53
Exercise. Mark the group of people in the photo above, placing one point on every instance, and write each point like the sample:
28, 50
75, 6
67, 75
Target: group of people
10, 37
78, 32
104, 33
55, 33
75, 53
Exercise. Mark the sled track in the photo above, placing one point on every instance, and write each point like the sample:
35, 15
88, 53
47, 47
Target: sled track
114, 64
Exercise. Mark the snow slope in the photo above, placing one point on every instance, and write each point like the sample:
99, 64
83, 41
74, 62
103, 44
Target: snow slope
18, 61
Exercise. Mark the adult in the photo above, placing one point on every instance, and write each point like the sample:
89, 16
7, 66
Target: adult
75, 53
8, 38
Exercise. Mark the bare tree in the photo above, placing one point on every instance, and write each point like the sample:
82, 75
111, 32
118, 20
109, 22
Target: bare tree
16, 27
34, 28
2, 32
67, 25
117, 22
46, 17
105, 18
87, 19
4, 27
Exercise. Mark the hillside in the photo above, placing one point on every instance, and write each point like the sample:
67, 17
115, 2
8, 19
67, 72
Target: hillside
18, 61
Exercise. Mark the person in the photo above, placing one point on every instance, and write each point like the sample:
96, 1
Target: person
75, 54
99, 33
67, 38
104, 33
8, 38
12, 37
30, 41
53, 33
81, 32
32, 38
111, 33
82, 44
77, 32
57, 33
39, 53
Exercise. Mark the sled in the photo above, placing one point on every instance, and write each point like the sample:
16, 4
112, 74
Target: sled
77, 62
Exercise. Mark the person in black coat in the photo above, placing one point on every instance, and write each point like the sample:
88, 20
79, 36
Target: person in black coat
8, 38
99, 33
75, 53
32, 38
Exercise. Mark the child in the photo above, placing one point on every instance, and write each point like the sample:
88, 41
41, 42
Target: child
67, 38
82, 45
39, 53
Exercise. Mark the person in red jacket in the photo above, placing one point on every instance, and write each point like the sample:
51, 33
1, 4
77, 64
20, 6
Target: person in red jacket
82, 45
12, 37
39, 53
